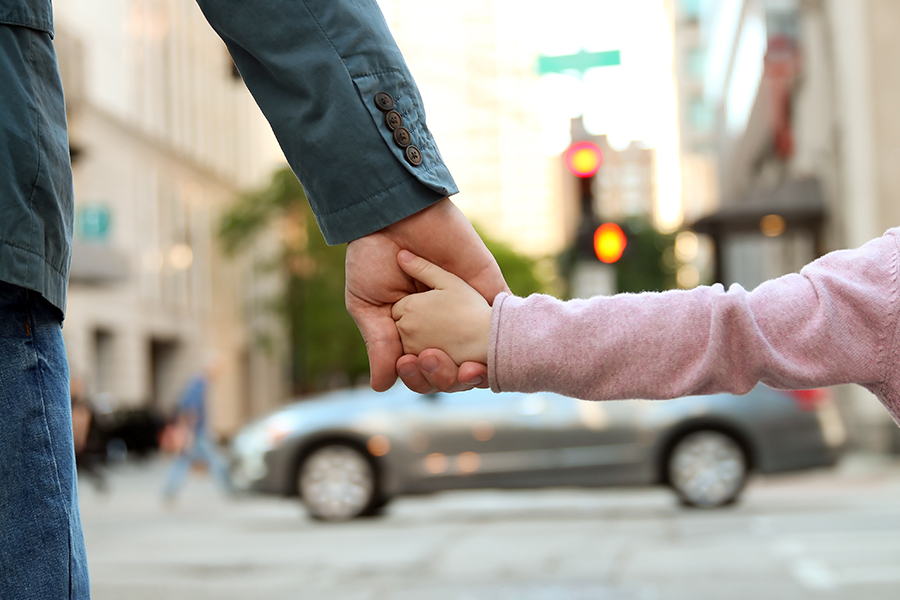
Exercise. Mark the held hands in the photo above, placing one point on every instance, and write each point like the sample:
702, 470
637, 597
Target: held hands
451, 316
375, 282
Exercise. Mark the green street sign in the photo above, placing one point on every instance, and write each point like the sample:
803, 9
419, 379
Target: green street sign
579, 62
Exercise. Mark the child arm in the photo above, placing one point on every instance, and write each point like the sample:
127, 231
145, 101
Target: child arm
834, 322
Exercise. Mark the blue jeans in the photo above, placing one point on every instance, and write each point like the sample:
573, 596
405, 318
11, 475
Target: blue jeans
203, 450
42, 554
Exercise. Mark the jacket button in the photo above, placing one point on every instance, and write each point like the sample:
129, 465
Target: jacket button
402, 137
393, 120
384, 101
413, 156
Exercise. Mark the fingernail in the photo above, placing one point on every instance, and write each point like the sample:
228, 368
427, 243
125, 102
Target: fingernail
405, 256
474, 381
408, 370
430, 364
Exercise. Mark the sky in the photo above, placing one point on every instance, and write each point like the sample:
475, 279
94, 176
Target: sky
633, 101
627, 101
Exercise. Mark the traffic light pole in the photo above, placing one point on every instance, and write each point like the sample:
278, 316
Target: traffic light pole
587, 198
590, 276
588, 221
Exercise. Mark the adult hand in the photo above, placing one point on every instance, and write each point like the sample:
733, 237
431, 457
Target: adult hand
374, 282
433, 370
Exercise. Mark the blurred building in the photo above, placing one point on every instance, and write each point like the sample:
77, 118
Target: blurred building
163, 135
626, 181
479, 79
477, 75
789, 106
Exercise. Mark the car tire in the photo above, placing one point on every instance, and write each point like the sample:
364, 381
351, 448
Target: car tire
707, 469
337, 482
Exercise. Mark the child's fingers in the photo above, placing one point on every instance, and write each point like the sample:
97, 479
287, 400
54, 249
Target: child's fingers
421, 270
404, 314
399, 308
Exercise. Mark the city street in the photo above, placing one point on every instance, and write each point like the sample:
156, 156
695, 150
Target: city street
823, 534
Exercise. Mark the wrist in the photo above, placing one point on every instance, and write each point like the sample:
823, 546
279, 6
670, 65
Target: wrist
411, 226
478, 351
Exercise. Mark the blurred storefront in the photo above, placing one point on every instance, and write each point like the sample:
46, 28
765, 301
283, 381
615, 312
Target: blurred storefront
788, 115
163, 135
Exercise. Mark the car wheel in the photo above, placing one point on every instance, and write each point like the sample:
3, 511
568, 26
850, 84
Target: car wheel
336, 482
707, 469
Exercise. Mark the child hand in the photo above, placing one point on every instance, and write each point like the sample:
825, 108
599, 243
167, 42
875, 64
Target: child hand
452, 316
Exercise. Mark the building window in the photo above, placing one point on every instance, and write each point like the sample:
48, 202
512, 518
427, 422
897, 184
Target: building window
696, 62
92, 222
690, 9
104, 361
700, 116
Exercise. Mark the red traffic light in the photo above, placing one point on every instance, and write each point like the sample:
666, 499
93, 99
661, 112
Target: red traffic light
609, 242
583, 159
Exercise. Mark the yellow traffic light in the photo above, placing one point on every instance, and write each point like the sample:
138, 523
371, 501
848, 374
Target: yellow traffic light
609, 242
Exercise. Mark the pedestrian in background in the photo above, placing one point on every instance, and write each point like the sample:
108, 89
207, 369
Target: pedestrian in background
191, 430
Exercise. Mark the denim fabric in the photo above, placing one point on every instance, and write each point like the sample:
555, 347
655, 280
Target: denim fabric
193, 404
42, 553
204, 451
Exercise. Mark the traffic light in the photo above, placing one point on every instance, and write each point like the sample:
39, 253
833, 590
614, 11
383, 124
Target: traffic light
609, 243
607, 257
583, 159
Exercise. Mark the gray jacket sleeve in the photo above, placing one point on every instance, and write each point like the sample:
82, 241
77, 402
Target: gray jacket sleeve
315, 68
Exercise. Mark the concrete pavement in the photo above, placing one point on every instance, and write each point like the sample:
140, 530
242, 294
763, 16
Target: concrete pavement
832, 535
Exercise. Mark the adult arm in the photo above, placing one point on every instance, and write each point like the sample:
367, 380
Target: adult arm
315, 68
834, 322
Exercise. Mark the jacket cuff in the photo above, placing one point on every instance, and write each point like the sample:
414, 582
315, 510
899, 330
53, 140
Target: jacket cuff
397, 114
404, 111
385, 208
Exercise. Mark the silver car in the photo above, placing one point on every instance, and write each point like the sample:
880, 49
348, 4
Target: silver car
347, 453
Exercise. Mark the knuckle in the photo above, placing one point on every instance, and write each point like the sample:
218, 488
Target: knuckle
417, 385
406, 327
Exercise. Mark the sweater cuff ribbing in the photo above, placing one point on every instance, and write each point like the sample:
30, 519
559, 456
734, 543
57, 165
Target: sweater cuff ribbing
493, 343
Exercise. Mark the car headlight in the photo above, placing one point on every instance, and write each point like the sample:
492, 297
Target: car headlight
252, 445
265, 435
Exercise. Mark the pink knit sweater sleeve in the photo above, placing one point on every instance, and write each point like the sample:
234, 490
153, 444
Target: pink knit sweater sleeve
834, 322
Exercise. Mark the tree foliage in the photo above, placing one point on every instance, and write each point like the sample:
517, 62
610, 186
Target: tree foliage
325, 346
518, 270
648, 265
